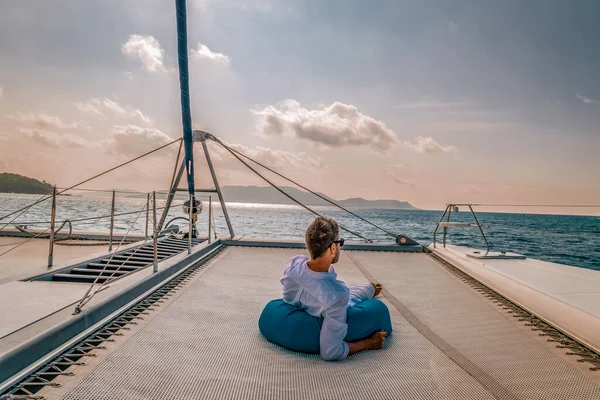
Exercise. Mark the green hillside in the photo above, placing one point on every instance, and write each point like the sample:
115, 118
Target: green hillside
15, 183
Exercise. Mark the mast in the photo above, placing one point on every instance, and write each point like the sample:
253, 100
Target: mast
184, 84
188, 136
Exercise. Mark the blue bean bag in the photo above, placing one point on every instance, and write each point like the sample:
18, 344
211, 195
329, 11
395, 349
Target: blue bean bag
295, 329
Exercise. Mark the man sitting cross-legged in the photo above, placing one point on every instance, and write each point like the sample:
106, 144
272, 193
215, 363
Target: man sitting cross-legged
312, 284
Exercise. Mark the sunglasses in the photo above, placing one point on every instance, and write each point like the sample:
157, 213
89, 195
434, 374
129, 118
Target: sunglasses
341, 242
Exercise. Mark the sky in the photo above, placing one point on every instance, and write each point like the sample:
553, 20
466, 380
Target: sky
425, 101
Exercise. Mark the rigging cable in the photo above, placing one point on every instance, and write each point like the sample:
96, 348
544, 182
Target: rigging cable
308, 190
87, 296
538, 205
291, 197
38, 236
92, 178
19, 214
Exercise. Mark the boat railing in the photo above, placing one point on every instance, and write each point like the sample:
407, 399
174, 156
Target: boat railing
150, 231
454, 207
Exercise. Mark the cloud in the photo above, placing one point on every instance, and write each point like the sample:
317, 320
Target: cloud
134, 140
46, 121
273, 158
397, 179
335, 125
586, 100
99, 106
128, 140
1, 92
148, 50
54, 139
429, 145
202, 52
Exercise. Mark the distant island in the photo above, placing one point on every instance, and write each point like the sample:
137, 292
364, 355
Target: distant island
270, 195
15, 183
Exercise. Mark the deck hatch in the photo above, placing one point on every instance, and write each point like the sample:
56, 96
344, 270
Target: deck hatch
106, 268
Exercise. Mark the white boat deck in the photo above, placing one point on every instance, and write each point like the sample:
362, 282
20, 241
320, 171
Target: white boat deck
566, 297
449, 342
36, 306
32, 301
31, 257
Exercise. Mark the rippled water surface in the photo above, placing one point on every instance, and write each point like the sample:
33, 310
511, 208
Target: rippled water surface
571, 240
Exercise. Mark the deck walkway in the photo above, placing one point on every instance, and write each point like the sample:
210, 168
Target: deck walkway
449, 342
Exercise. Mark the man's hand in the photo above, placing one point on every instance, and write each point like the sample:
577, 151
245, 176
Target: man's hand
378, 287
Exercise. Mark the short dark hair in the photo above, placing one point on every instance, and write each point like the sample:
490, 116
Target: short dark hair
320, 234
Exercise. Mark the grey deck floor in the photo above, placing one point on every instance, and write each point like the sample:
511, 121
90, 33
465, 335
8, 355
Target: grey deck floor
451, 345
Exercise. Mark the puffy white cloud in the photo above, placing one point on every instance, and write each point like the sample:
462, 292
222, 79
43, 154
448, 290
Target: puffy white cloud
133, 140
428, 145
397, 179
99, 106
584, 99
128, 140
148, 50
202, 52
42, 153
335, 125
54, 139
46, 121
270, 157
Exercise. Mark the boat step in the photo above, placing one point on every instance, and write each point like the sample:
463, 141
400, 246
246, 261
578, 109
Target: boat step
159, 247
114, 266
159, 251
96, 272
173, 245
117, 265
98, 267
78, 278
141, 250
132, 257
122, 262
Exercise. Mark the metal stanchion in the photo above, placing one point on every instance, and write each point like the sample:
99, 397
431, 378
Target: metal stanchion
191, 224
112, 222
147, 216
154, 230
52, 219
209, 217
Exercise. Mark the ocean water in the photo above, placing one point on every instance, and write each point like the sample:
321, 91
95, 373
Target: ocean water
570, 240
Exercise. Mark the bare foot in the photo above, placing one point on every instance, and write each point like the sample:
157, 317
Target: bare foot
376, 340
373, 342
378, 287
